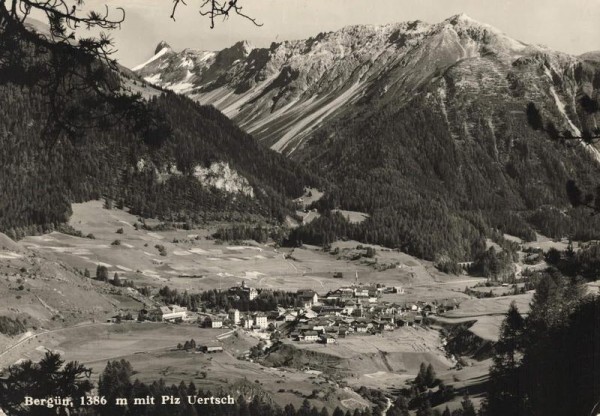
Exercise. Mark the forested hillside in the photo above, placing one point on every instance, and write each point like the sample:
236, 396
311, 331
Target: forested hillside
421, 126
434, 194
155, 176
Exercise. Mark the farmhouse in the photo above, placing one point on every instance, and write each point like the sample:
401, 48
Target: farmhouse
360, 328
311, 336
290, 316
169, 313
216, 322
327, 339
308, 298
388, 326
210, 348
361, 292
406, 320
447, 305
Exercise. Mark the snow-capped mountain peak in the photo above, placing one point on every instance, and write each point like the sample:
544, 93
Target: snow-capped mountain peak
284, 93
162, 45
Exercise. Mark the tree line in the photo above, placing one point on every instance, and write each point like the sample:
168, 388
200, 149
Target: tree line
546, 363
52, 377
432, 192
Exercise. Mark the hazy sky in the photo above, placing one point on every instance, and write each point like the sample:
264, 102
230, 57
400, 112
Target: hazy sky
571, 26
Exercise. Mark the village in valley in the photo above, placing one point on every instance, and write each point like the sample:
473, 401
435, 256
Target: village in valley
288, 321
352, 310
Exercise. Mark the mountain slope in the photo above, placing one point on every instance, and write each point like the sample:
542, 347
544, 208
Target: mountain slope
282, 93
192, 164
421, 126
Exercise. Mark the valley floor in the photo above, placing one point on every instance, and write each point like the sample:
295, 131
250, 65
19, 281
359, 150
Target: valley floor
70, 312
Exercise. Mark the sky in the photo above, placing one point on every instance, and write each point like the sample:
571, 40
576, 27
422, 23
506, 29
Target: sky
571, 26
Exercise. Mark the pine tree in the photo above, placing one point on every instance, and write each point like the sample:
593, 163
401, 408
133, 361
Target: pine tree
504, 396
421, 376
425, 408
114, 382
430, 376
49, 377
467, 406
401, 406
102, 273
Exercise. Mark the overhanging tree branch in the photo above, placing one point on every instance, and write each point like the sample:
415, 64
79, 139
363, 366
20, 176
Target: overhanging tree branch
77, 75
214, 9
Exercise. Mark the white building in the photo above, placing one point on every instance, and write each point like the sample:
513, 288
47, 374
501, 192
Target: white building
170, 313
247, 322
244, 291
234, 316
308, 298
290, 316
311, 336
260, 320
327, 339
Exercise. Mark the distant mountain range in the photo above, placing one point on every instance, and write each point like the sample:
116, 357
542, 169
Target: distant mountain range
284, 93
422, 126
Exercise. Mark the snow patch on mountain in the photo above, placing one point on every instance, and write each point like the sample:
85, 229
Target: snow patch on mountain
561, 107
180, 87
154, 58
282, 94
154, 79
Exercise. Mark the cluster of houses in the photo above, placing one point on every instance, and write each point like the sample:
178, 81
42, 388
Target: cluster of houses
326, 322
356, 309
256, 321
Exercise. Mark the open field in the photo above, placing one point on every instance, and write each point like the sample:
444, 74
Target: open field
310, 196
54, 285
490, 306
47, 294
354, 217
195, 263
90, 343
383, 361
488, 313
546, 243
151, 349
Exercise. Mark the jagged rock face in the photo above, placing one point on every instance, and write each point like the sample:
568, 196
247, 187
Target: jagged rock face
285, 93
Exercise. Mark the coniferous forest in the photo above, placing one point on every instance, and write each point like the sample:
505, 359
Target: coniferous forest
433, 193
152, 176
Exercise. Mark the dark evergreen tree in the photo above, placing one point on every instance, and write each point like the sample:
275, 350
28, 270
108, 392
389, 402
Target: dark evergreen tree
102, 273
51, 377
430, 376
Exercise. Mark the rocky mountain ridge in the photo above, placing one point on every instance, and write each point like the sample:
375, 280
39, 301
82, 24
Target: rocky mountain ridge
284, 93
